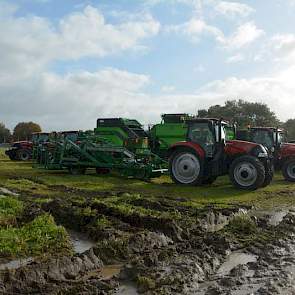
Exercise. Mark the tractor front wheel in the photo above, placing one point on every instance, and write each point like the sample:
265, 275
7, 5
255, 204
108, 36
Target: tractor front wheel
185, 167
23, 155
289, 170
247, 172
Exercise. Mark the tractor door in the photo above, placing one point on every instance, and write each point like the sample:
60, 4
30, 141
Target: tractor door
203, 134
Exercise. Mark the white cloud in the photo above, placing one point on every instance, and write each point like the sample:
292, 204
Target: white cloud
167, 88
28, 44
235, 58
232, 9
243, 36
283, 46
196, 28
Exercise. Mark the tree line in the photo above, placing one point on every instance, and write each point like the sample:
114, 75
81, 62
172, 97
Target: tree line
22, 131
241, 112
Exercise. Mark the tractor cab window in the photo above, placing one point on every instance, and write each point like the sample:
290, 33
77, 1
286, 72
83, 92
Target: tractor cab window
202, 134
263, 137
281, 138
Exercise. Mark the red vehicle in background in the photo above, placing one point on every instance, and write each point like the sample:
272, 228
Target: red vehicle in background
274, 139
20, 151
23, 150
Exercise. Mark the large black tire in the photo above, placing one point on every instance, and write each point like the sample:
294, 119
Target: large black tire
247, 173
77, 170
185, 167
23, 155
288, 170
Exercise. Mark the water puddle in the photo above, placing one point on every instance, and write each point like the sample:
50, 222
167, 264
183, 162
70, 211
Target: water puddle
17, 263
274, 217
233, 260
80, 241
215, 222
126, 289
6, 191
109, 271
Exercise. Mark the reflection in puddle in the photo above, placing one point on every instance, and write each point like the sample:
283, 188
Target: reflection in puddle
80, 241
233, 260
126, 289
109, 271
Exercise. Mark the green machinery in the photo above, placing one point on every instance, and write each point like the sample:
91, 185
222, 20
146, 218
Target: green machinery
115, 144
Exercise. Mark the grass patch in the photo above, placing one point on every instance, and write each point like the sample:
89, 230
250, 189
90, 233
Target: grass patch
10, 208
40, 236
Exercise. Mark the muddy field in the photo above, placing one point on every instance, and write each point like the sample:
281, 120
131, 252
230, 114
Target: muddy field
62, 234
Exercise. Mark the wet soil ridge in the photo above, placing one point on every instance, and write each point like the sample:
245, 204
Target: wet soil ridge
159, 246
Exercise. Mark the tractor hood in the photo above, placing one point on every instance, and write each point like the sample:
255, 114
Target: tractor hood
288, 149
242, 147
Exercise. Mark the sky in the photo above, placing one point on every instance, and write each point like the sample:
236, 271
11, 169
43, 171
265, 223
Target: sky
63, 64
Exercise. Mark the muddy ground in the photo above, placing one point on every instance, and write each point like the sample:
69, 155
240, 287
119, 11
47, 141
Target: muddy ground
133, 244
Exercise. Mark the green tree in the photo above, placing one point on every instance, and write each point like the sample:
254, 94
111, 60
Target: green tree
5, 134
289, 126
243, 113
24, 130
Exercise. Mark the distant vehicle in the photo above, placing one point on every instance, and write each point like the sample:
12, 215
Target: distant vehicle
20, 151
275, 141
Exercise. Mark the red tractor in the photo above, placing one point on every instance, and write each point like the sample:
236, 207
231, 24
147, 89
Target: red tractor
23, 150
206, 154
20, 151
274, 139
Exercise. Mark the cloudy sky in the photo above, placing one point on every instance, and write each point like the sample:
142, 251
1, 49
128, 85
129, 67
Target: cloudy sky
65, 63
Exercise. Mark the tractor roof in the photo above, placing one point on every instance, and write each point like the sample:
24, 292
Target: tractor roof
206, 120
68, 132
267, 129
40, 133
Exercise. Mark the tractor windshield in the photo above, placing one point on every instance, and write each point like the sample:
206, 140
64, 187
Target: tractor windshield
202, 134
263, 137
281, 138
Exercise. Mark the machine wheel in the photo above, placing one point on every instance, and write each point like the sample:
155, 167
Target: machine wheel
185, 167
289, 170
247, 172
209, 180
101, 170
77, 170
23, 155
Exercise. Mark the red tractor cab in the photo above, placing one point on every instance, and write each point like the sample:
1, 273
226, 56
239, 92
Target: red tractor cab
275, 140
207, 153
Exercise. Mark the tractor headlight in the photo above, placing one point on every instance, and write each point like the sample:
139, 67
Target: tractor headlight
260, 152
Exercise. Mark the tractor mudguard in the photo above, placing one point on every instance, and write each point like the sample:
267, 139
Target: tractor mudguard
186, 144
287, 151
238, 147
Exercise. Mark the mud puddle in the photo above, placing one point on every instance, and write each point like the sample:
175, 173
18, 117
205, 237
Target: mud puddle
81, 243
7, 192
233, 260
126, 289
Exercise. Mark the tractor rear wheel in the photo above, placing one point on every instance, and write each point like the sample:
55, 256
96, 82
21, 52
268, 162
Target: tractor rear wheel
23, 155
247, 172
185, 167
289, 170
77, 170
